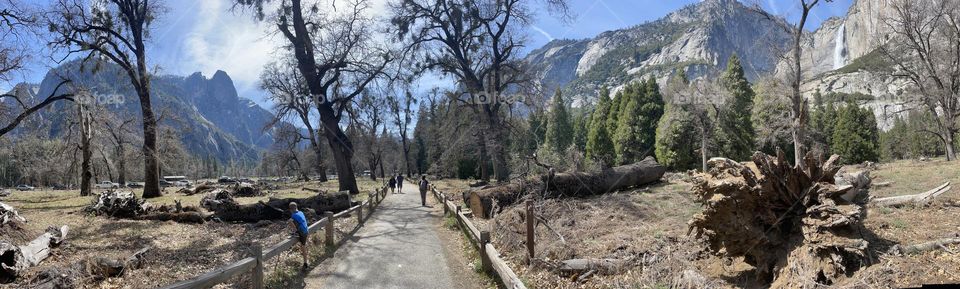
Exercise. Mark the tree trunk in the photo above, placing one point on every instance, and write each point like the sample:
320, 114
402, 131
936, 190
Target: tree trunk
495, 138
318, 151
342, 150
576, 184
703, 148
482, 157
121, 165
948, 138
86, 188
796, 98
151, 167
373, 168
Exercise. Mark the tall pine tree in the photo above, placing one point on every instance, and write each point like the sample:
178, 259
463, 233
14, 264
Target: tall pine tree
676, 140
735, 134
559, 134
855, 136
637, 123
599, 142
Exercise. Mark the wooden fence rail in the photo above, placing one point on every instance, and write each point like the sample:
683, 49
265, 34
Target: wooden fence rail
489, 256
255, 262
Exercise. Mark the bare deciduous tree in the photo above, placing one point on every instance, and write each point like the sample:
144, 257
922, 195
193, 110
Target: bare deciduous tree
337, 56
116, 30
400, 107
288, 90
477, 42
925, 47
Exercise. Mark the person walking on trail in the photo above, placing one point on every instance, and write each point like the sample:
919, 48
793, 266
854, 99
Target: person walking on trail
424, 185
298, 220
393, 185
400, 183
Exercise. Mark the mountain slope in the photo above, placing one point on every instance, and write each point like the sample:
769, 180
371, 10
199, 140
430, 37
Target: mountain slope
698, 38
209, 115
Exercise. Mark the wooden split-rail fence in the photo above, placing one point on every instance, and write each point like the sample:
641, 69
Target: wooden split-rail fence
489, 257
253, 265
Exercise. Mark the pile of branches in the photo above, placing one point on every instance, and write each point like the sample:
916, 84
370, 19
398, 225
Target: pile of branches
120, 204
797, 226
96, 269
126, 205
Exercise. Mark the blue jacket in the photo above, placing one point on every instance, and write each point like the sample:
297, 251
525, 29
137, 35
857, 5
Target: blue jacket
301, 221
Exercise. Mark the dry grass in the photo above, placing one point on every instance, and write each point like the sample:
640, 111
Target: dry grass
180, 251
648, 227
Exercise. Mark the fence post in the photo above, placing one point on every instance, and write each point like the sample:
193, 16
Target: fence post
484, 258
328, 241
373, 199
443, 203
360, 214
530, 233
258, 269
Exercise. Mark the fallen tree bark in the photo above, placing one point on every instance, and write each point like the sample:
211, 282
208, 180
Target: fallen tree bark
227, 209
917, 199
15, 259
10, 217
799, 227
923, 247
97, 269
575, 184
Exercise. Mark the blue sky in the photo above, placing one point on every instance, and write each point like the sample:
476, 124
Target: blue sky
205, 36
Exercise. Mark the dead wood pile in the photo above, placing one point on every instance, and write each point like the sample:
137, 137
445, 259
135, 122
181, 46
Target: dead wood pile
96, 269
485, 201
14, 259
227, 209
126, 205
798, 227
120, 204
199, 189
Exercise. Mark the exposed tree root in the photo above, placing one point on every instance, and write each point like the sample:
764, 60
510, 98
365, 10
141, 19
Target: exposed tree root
798, 227
923, 247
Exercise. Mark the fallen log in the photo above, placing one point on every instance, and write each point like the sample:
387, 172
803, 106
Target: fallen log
15, 259
798, 226
917, 199
96, 269
574, 184
923, 247
578, 266
227, 209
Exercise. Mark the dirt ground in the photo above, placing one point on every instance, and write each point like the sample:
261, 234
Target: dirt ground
179, 251
648, 227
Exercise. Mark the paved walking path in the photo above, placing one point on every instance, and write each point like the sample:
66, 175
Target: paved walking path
397, 248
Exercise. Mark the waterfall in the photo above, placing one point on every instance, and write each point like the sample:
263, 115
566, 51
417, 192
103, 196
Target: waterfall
840, 48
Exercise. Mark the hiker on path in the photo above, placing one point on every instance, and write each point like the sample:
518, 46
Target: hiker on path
393, 185
400, 182
423, 190
298, 220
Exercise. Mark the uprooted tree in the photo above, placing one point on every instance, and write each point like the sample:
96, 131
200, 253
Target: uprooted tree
484, 202
799, 227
